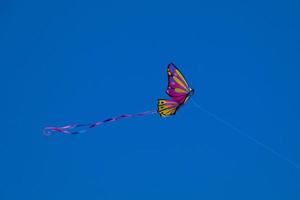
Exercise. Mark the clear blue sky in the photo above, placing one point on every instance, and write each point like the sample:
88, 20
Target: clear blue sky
80, 61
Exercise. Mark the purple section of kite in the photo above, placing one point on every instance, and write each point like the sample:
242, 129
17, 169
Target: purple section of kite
81, 128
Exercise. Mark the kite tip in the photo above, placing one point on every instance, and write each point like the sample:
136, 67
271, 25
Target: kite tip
46, 132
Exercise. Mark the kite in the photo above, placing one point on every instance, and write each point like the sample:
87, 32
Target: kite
178, 89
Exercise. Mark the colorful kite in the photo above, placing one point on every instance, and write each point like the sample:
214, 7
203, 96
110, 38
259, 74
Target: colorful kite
178, 89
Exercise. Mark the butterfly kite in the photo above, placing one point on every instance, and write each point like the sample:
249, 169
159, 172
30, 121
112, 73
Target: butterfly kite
178, 89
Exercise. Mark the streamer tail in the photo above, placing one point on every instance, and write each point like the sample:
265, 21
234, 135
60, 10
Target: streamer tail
81, 128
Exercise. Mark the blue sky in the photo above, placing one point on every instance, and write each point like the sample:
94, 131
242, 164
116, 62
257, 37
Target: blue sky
81, 61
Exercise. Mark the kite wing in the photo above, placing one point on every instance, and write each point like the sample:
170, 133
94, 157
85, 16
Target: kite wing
167, 107
178, 88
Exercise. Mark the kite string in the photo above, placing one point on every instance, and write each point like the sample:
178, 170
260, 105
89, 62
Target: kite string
239, 131
81, 128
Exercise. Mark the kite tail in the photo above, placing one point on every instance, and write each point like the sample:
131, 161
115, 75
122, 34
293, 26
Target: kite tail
81, 128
